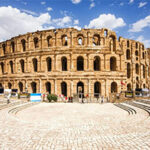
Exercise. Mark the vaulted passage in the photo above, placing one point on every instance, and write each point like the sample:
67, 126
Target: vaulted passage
49, 64
97, 63
64, 88
112, 64
48, 87
20, 86
80, 63
11, 67
113, 87
128, 70
80, 89
35, 65
33, 87
22, 65
137, 68
64, 63
97, 89
23, 42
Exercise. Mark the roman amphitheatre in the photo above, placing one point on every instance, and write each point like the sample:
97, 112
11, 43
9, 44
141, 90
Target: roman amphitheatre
85, 63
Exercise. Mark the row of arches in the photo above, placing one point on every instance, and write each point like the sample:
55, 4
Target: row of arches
64, 66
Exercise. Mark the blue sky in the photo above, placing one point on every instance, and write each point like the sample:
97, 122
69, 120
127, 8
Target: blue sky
128, 18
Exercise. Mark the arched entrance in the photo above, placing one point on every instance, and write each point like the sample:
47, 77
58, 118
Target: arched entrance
97, 89
96, 63
20, 86
9, 85
112, 64
113, 87
128, 87
64, 88
64, 63
80, 89
80, 63
33, 86
48, 87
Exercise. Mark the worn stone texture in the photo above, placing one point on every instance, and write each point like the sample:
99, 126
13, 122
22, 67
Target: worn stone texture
18, 56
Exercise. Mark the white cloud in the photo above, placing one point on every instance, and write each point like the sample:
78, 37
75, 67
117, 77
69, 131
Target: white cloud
131, 1
146, 42
142, 4
49, 9
77, 27
65, 21
139, 25
14, 22
76, 1
76, 22
121, 4
92, 5
43, 3
106, 21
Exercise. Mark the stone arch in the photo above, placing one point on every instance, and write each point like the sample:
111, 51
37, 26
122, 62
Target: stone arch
143, 55
9, 85
80, 63
20, 85
23, 43
97, 63
143, 71
49, 41
64, 40
22, 65
96, 40
80, 89
36, 42
11, 66
48, 87
128, 56
64, 63
137, 68
80, 39
34, 87
128, 70
105, 33
13, 46
97, 89
64, 88
129, 87
2, 67
113, 87
35, 64
49, 63
4, 48
136, 53
113, 63
128, 44
144, 86
136, 45
112, 43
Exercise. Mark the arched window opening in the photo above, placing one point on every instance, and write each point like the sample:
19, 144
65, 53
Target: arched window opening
64, 88
128, 70
137, 86
49, 41
112, 43
97, 89
112, 64
9, 85
33, 87
143, 55
96, 40
143, 71
13, 46
136, 45
48, 87
36, 42
1, 86
143, 47
113, 87
105, 33
80, 40
144, 86
127, 43
80, 63
137, 68
49, 64
22, 65
23, 42
11, 67
64, 40
96, 63
2, 67
136, 53
137, 78
128, 87
4, 48
80, 89
35, 65
20, 86
128, 54
64, 63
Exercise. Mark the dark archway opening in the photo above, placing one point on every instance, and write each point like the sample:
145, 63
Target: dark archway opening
64, 88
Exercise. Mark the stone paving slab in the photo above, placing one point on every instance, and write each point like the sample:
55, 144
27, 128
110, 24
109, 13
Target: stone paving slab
73, 127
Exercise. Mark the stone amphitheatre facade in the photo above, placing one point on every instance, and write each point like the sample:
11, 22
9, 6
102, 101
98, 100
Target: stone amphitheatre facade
68, 61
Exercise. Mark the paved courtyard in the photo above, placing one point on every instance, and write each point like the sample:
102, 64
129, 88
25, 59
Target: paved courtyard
60, 126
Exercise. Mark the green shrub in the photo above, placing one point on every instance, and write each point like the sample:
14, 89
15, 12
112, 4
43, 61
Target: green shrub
51, 97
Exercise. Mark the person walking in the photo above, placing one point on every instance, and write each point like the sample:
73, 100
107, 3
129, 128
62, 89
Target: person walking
8, 98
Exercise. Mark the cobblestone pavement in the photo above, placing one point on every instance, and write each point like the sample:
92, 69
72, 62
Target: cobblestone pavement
59, 126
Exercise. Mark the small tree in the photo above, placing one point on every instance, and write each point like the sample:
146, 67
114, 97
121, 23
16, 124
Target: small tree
51, 97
